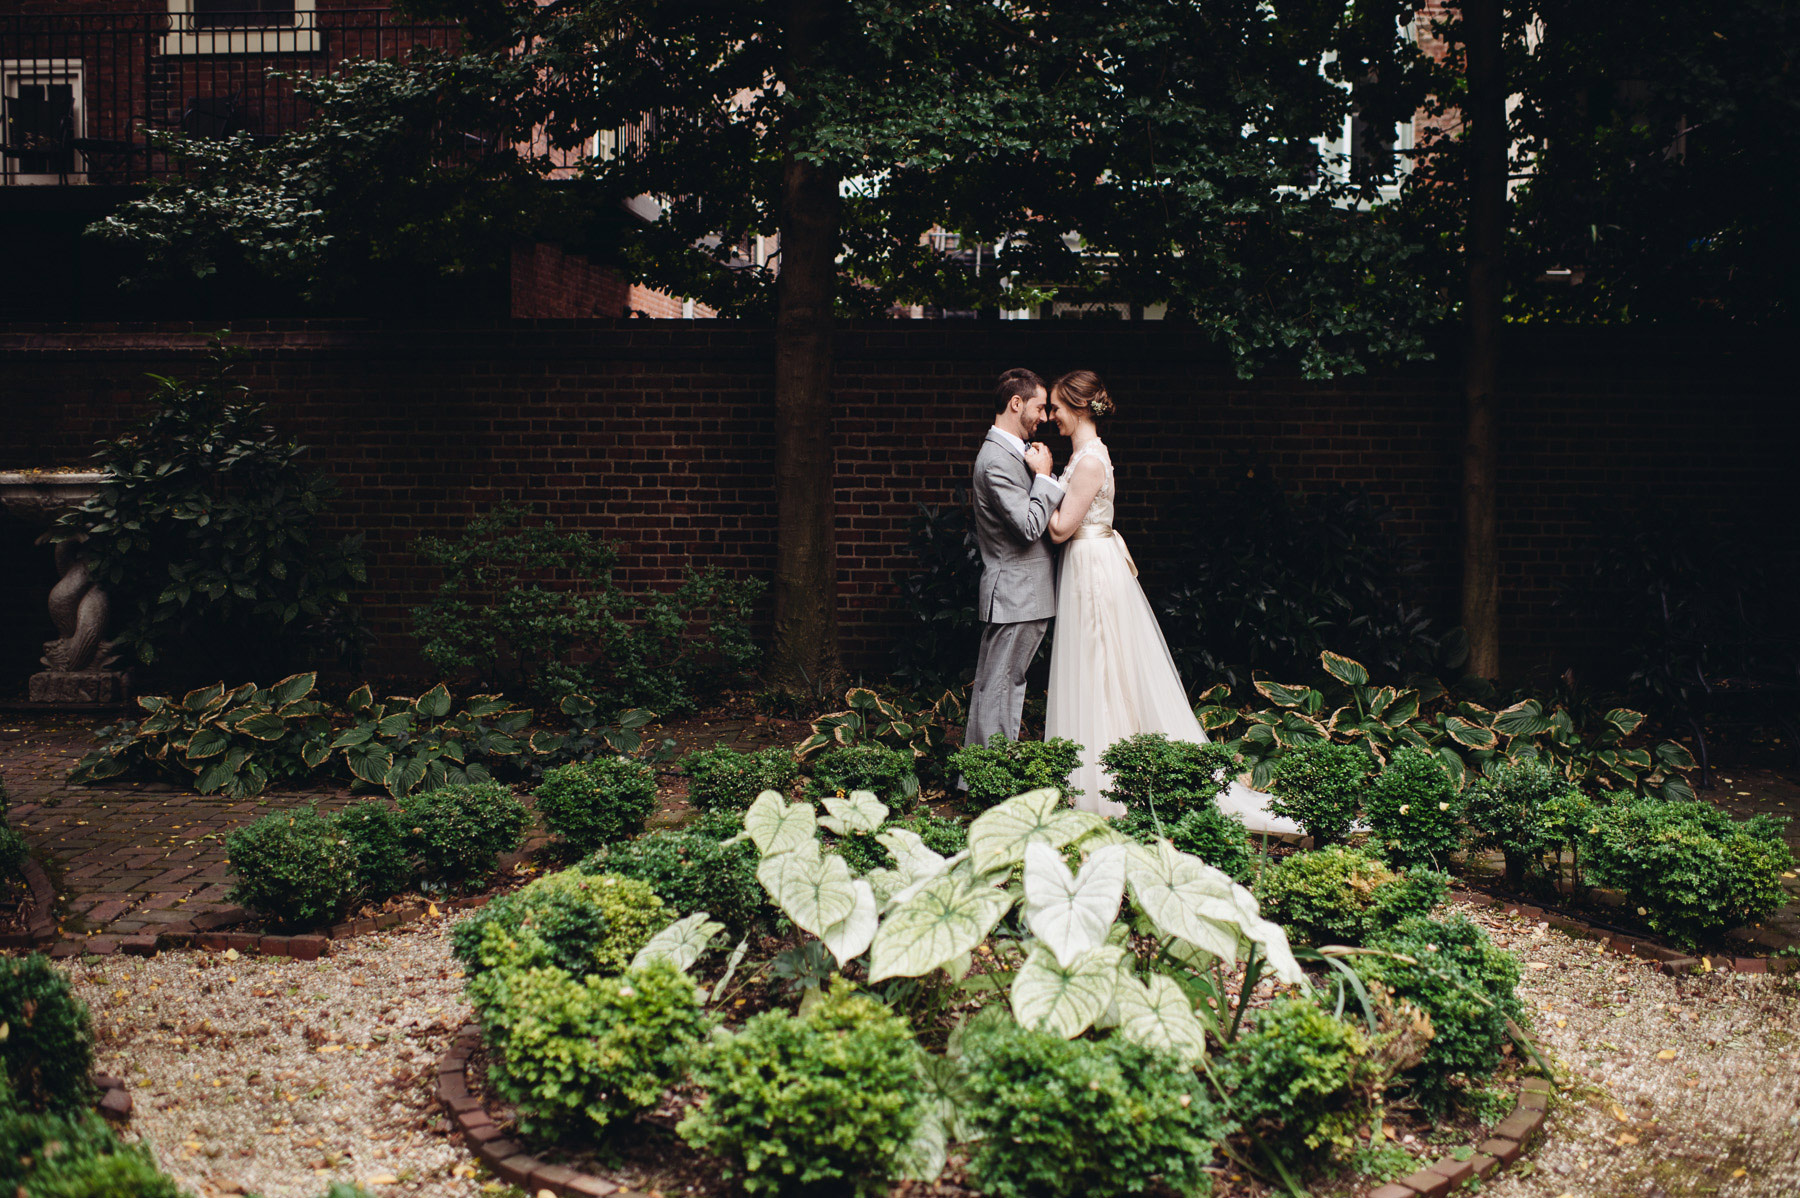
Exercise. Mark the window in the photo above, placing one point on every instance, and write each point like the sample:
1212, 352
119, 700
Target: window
41, 116
241, 27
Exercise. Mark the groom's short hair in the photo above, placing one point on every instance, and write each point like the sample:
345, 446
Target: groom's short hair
1017, 381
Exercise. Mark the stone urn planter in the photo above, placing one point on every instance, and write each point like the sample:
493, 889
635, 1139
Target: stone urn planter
78, 664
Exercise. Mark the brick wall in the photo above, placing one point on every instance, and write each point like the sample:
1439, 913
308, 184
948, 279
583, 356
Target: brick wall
659, 435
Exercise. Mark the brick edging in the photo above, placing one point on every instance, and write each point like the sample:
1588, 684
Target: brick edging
115, 1099
40, 925
1509, 1141
508, 1159
1667, 960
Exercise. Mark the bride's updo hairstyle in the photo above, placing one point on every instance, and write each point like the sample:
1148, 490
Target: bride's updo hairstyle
1083, 389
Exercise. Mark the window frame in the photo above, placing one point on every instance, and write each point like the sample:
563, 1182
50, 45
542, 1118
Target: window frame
186, 38
14, 71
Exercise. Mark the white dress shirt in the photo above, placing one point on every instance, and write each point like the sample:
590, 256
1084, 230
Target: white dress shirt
1018, 447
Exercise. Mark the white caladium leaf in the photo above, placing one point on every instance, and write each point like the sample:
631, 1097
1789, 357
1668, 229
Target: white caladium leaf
1065, 1001
947, 1093
1158, 1015
1072, 912
998, 836
731, 966
778, 826
886, 883
1185, 897
682, 942
849, 938
861, 812
912, 857
1268, 936
814, 890
912, 888
926, 1154
949, 916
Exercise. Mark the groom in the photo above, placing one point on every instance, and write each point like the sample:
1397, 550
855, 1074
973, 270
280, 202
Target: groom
1014, 496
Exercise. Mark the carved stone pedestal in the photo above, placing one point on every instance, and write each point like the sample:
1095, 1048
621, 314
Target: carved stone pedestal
77, 687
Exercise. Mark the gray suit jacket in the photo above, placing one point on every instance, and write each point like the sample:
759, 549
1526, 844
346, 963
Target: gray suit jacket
1012, 517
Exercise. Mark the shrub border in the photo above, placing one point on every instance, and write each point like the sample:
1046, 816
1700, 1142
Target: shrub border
40, 924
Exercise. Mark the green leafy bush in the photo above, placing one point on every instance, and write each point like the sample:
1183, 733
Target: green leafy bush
294, 867
937, 649
72, 1155
13, 849
570, 920
887, 773
864, 852
403, 745
1413, 811
582, 1053
907, 723
458, 833
1320, 786
1344, 895
724, 779
1209, 833
691, 871
1464, 983
1302, 1073
592, 804
1085, 1117
1150, 772
49, 1045
998, 771
371, 831
1694, 870
1504, 809
823, 1103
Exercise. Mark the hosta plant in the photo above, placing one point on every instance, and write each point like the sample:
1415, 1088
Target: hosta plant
898, 722
403, 745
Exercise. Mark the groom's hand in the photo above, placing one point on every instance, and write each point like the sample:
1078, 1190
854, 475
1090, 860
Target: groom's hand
1037, 456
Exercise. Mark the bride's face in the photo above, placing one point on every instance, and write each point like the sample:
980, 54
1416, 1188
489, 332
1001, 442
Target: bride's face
1064, 417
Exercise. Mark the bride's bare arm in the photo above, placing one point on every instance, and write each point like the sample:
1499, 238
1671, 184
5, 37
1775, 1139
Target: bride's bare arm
1084, 484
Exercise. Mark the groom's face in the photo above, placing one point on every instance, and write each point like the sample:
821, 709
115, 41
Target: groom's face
1032, 414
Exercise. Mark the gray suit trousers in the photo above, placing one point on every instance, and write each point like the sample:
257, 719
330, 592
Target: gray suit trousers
997, 700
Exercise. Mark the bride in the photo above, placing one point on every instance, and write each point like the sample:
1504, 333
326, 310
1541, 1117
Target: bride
1111, 673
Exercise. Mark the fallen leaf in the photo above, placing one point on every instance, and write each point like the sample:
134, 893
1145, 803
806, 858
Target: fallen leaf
1626, 1139
1737, 1173
1562, 1023
331, 1048
431, 910
1667, 1054
1538, 964
382, 1179
231, 954
1618, 1112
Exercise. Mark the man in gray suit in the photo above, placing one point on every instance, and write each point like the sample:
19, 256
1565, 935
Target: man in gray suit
1014, 496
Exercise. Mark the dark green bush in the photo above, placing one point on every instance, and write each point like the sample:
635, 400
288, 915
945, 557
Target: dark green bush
1299, 1074
72, 1155
1505, 808
820, 1104
458, 833
724, 779
582, 1053
1414, 813
864, 852
1464, 983
573, 921
936, 652
1085, 1117
49, 1045
371, 831
888, 773
1320, 785
691, 871
294, 867
996, 772
592, 804
1344, 895
1215, 836
1150, 772
13, 849
1693, 869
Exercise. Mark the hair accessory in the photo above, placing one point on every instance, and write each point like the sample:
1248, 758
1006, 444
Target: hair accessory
1101, 405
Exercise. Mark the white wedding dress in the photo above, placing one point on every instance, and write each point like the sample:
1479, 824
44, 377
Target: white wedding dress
1111, 673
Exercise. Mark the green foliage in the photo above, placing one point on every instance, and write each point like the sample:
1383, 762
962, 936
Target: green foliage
48, 1050
405, 744
1003, 768
937, 650
13, 851
206, 535
537, 607
590, 736
1217, 838
1695, 870
1320, 786
1413, 810
1301, 1075
886, 773
945, 837
571, 920
1464, 983
818, 1104
458, 833
724, 779
1085, 1117
214, 740
1345, 895
1150, 772
595, 803
73, 1154
691, 871
899, 722
1504, 809
294, 866
371, 831
576, 1053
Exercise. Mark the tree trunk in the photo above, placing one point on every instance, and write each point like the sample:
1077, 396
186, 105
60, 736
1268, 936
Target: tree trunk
1484, 118
804, 656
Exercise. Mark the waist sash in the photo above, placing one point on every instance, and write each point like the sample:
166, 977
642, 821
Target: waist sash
1091, 532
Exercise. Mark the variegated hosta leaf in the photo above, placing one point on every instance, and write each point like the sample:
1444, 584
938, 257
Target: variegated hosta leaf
861, 812
1470, 736
1346, 671
778, 826
1071, 913
1065, 1000
1185, 897
998, 836
681, 943
1158, 1015
950, 916
1524, 718
849, 938
1404, 708
1283, 694
926, 1154
1625, 720
813, 889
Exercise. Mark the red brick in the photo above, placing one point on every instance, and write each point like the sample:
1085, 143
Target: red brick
1502, 1149
1427, 1183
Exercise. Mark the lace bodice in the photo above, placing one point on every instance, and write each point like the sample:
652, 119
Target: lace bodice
1100, 512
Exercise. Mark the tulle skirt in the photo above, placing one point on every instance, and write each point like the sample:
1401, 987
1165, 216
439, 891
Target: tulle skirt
1112, 676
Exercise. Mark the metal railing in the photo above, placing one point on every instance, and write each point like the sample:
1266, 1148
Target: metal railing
81, 92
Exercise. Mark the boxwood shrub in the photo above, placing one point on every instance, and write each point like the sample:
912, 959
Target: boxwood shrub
691, 871
1344, 895
371, 831
1296, 1074
723, 778
592, 804
48, 1050
458, 833
997, 771
1150, 772
571, 920
1414, 813
887, 773
293, 866
1320, 786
